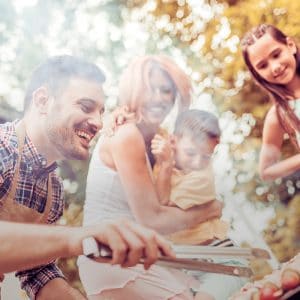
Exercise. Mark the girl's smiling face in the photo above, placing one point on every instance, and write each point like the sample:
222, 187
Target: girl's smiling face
272, 60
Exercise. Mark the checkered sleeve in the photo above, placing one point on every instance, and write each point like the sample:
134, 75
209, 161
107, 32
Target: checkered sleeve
34, 279
7, 159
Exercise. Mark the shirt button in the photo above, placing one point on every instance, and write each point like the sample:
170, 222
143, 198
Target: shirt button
43, 162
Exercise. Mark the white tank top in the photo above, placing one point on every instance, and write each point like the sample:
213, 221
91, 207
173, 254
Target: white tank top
295, 105
105, 196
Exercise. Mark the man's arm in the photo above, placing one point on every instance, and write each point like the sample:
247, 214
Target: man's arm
25, 245
57, 287
47, 282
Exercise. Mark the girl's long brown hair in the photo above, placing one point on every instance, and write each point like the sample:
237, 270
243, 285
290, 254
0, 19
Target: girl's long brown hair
134, 81
279, 93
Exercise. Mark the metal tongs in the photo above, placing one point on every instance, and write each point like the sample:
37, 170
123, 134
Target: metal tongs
190, 257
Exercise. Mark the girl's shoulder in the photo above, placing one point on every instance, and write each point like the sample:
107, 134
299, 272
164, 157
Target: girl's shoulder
272, 125
271, 116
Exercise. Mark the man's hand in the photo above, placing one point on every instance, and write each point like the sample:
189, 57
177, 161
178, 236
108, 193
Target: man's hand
129, 242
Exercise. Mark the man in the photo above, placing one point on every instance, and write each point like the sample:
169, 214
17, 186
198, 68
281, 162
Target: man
64, 103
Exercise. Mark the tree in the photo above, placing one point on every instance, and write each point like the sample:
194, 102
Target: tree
209, 37
203, 37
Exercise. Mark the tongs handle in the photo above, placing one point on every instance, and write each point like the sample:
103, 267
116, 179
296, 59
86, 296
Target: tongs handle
92, 249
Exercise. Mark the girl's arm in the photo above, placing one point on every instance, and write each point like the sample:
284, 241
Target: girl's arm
128, 153
270, 166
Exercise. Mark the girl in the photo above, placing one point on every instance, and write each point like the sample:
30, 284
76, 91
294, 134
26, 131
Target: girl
273, 60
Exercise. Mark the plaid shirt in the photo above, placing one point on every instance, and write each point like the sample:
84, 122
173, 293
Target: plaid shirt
31, 192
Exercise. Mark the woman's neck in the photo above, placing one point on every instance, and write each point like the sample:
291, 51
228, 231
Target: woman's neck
147, 131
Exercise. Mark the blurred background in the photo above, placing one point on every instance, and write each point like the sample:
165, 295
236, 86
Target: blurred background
203, 37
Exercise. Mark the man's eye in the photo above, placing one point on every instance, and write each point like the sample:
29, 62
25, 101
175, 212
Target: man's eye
85, 108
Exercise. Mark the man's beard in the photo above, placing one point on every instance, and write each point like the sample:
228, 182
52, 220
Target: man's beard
64, 140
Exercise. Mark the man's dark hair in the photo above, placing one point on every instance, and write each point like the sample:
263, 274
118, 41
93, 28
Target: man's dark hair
56, 72
198, 124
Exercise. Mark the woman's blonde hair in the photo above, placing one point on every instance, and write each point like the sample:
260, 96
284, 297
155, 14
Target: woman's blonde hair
134, 81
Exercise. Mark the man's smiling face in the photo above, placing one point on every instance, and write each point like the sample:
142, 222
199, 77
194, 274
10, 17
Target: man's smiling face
75, 117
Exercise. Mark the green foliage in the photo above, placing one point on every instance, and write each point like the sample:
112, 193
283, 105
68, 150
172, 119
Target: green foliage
220, 58
204, 41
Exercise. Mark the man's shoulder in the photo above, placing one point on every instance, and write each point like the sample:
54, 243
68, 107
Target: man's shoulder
7, 151
7, 129
8, 139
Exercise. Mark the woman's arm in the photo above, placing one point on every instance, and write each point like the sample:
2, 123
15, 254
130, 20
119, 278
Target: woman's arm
163, 182
270, 166
128, 152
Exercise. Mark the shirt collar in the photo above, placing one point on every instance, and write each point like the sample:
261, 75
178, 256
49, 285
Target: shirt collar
34, 159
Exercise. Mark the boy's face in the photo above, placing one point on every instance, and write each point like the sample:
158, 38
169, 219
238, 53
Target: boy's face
191, 155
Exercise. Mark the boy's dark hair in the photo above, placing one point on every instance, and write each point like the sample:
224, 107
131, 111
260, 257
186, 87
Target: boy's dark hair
56, 72
198, 124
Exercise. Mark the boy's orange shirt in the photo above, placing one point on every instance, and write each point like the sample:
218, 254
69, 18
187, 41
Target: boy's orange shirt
188, 190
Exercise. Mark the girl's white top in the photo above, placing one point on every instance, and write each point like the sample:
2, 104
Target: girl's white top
295, 105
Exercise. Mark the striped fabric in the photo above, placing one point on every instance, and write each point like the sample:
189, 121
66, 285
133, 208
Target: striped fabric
222, 243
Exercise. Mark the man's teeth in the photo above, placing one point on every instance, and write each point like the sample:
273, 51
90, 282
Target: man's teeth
84, 135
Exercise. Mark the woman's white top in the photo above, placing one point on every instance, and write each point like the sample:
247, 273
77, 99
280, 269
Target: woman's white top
105, 196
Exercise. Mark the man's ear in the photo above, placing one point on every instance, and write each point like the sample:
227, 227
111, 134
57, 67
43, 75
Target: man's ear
40, 99
291, 44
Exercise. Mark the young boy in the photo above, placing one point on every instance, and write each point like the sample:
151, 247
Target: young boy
184, 175
184, 178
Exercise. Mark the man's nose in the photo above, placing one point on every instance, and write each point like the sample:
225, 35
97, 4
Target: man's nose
95, 122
